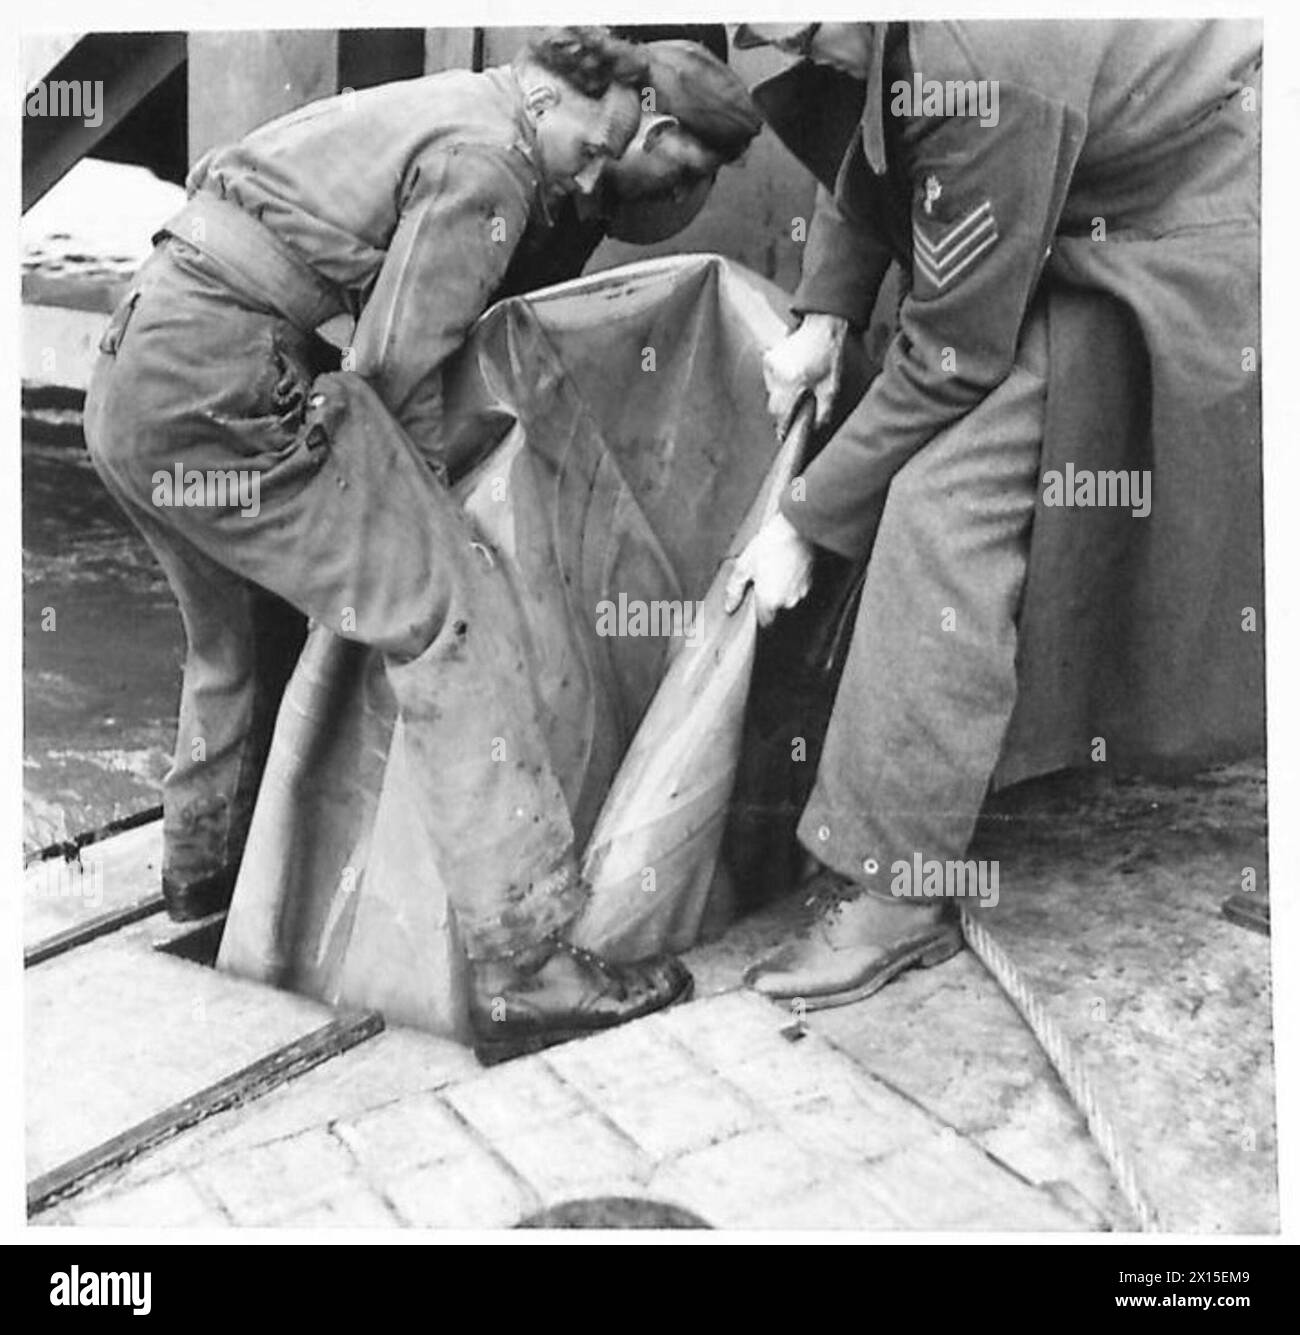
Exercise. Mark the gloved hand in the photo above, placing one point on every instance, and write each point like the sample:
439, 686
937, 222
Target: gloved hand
778, 563
812, 358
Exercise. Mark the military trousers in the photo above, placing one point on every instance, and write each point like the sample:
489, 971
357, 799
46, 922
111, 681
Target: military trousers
929, 682
274, 493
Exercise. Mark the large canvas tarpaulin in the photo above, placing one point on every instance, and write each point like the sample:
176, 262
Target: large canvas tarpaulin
610, 437
611, 445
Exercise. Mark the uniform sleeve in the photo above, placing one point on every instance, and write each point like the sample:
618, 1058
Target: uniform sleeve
986, 200
461, 220
844, 264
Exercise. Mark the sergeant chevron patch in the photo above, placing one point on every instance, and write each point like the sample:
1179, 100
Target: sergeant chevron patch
941, 259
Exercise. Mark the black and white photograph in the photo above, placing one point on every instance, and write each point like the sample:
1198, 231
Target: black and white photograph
641, 625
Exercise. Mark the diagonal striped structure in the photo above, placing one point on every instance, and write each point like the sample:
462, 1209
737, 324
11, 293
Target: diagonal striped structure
941, 261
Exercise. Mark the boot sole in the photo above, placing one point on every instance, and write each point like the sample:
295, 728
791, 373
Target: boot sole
491, 1052
925, 955
194, 903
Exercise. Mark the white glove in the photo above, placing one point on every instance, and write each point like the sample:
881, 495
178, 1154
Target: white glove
812, 358
778, 563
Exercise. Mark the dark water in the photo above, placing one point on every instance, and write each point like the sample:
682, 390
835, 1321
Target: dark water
102, 644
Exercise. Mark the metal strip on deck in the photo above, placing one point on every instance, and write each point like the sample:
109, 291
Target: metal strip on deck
68, 888
116, 1031
83, 933
122, 1026
248, 1083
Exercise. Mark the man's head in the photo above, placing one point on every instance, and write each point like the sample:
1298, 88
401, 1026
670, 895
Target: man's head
844, 46
582, 89
663, 160
696, 115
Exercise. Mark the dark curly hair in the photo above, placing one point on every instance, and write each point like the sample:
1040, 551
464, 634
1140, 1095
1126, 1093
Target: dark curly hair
590, 59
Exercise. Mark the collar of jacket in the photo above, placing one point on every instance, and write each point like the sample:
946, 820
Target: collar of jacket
815, 111
526, 143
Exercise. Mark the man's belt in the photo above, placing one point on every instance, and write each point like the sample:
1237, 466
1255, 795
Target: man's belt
255, 261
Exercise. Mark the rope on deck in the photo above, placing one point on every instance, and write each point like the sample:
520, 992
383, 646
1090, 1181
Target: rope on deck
1072, 1071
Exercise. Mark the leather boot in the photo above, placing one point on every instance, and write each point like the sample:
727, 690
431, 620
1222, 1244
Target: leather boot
854, 943
562, 992
187, 901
